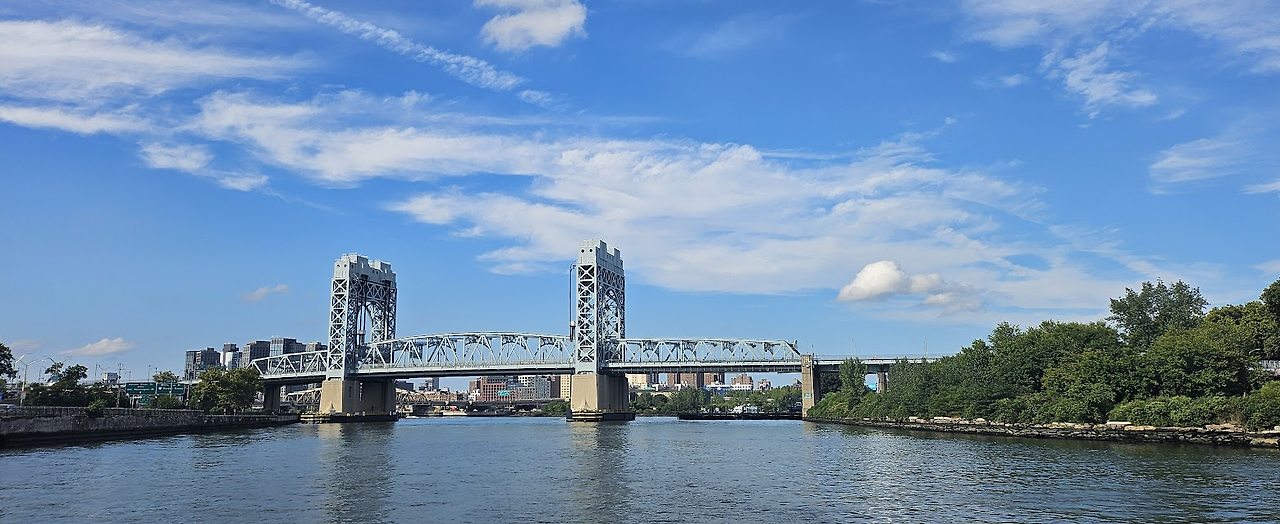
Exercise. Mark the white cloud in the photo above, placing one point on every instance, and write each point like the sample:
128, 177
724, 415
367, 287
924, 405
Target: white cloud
943, 56
1272, 187
264, 292
885, 279
71, 61
528, 23
105, 346
183, 157
1270, 266
469, 69
1198, 160
1087, 74
740, 32
73, 120
1013, 80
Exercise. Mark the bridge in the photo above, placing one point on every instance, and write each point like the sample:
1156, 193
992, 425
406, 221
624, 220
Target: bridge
358, 375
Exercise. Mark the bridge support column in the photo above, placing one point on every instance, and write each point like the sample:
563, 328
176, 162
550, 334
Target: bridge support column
271, 398
882, 382
339, 396
378, 396
810, 384
596, 397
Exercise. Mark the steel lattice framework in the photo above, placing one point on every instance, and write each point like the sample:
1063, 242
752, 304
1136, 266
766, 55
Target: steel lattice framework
654, 355
362, 289
600, 317
469, 352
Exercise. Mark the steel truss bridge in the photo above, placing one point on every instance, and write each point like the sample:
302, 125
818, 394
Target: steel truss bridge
504, 353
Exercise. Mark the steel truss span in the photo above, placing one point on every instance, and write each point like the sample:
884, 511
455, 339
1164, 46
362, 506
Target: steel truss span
656, 355
484, 351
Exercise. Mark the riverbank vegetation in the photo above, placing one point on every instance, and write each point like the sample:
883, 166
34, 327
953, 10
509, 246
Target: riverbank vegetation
1158, 360
695, 400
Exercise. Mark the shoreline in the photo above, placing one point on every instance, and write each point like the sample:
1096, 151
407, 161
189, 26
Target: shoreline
72, 426
1213, 435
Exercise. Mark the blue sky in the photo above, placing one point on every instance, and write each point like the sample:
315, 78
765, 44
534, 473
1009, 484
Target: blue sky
865, 175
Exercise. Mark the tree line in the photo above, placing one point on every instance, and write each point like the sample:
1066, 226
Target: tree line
219, 390
1159, 359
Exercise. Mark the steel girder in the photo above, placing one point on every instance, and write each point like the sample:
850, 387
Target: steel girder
677, 354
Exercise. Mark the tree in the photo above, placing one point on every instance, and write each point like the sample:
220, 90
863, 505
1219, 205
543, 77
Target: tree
1271, 297
6, 362
1211, 359
165, 377
1142, 316
853, 376
225, 391
1257, 322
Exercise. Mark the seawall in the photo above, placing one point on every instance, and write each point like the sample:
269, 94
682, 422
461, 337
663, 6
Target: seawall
1216, 435
42, 426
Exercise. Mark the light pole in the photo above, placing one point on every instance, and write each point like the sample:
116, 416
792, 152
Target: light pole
22, 393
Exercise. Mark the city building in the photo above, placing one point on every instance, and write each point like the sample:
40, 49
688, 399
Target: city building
492, 388
200, 360
539, 387
642, 380
231, 356
111, 378
285, 346
430, 384
255, 350
564, 385
743, 379
312, 347
764, 384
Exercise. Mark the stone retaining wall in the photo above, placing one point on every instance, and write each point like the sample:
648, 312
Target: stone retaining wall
1217, 435
76, 426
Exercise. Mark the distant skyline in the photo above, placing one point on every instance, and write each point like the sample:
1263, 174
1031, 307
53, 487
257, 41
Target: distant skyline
861, 176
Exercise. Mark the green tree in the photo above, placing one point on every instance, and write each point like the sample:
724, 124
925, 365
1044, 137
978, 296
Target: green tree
225, 391
1257, 322
559, 408
6, 362
853, 376
1144, 315
1271, 297
165, 377
1211, 359
165, 402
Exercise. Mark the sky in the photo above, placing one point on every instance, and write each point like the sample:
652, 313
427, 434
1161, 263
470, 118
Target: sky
879, 178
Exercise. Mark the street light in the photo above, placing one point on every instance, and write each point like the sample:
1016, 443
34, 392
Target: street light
22, 389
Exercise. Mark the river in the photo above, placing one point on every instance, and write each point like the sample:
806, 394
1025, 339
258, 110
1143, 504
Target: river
651, 470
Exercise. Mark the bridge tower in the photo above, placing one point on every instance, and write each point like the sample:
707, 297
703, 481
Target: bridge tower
599, 321
363, 297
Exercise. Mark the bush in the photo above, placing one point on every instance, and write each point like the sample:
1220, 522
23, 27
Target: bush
1176, 411
95, 408
1261, 410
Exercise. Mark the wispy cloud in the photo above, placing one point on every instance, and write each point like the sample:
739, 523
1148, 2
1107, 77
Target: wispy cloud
105, 346
943, 56
1270, 266
264, 292
737, 33
1198, 160
194, 159
1272, 187
80, 121
1088, 75
469, 69
528, 23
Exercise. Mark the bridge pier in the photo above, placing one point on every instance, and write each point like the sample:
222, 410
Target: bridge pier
349, 396
882, 381
271, 398
810, 384
596, 397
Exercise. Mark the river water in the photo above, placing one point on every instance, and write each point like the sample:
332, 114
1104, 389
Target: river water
650, 470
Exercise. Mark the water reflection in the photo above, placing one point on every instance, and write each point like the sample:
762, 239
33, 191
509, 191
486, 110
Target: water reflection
600, 492
352, 475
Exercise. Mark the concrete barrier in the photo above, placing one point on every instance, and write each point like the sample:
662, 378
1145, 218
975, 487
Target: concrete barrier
38, 426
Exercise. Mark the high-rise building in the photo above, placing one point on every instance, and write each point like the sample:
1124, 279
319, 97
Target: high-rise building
231, 356
199, 360
255, 350
285, 346
713, 378
430, 384
312, 347
564, 385
743, 380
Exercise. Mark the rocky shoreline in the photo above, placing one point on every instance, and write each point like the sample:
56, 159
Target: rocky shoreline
1215, 435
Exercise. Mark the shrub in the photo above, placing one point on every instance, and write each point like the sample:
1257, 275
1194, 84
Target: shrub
95, 408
